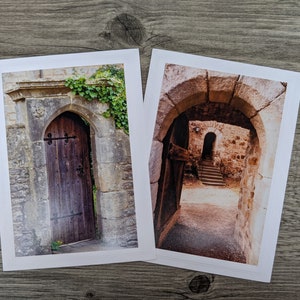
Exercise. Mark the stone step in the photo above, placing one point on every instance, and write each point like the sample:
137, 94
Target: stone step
209, 170
212, 182
212, 177
210, 174
215, 183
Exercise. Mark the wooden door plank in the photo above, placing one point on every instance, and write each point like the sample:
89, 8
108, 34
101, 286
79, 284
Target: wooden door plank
71, 187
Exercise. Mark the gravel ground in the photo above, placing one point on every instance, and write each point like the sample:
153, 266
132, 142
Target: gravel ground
205, 226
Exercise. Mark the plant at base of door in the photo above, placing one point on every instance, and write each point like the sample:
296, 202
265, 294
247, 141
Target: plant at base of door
55, 245
107, 85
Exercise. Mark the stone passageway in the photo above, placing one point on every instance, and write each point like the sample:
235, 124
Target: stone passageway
206, 221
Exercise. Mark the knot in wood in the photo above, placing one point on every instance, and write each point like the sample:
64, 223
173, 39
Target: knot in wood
128, 28
199, 284
90, 294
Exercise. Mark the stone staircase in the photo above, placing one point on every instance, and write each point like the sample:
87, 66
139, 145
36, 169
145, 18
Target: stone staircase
210, 174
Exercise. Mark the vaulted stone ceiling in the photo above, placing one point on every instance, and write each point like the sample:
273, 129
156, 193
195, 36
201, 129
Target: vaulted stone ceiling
220, 112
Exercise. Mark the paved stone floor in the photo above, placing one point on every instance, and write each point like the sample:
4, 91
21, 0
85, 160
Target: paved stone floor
206, 223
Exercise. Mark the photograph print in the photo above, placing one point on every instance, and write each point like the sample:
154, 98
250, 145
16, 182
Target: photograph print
213, 148
70, 160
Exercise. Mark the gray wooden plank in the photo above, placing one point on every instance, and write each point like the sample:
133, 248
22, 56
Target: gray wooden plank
258, 32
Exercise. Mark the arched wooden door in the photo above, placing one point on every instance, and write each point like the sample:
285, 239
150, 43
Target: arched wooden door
174, 156
67, 144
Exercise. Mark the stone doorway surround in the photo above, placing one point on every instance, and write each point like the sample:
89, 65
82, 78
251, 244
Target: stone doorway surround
259, 102
230, 149
209, 145
36, 104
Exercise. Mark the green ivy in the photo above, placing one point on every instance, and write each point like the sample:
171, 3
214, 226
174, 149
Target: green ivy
107, 85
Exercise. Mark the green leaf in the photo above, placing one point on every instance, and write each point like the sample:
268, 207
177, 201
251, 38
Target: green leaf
107, 85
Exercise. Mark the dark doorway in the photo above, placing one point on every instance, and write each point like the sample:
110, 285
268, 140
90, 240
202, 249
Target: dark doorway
208, 145
67, 144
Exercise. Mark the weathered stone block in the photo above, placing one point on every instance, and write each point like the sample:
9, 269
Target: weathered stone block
38, 150
94, 106
114, 149
221, 86
113, 204
155, 161
111, 177
267, 89
176, 74
37, 121
17, 144
267, 123
126, 172
256, 93
166, 113
18, 213
194, 88
27, 243
240, 104
154, 190
262, 192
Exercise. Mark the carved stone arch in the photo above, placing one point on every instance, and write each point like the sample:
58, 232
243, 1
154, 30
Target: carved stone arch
97, 122
260, 101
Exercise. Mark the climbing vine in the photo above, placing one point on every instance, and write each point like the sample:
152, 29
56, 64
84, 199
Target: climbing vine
107, 85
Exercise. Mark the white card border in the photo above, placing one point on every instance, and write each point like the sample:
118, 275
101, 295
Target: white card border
145, 249
263, 270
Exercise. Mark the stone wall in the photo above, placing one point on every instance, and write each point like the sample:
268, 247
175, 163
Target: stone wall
229, 147
250, 206
32, 100
252, 103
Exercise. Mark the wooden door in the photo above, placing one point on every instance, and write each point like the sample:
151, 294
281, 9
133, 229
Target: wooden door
174, 156
67, 143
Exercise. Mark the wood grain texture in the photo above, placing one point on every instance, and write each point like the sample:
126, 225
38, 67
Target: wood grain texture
259, 32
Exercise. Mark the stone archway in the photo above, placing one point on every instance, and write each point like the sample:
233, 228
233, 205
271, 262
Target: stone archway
37, 105
256, 103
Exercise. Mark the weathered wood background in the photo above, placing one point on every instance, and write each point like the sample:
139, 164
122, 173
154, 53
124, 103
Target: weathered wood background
258, 32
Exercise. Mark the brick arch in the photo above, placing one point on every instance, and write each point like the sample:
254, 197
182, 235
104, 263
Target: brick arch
260, 101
